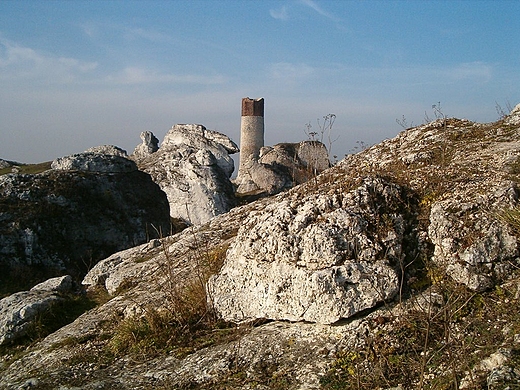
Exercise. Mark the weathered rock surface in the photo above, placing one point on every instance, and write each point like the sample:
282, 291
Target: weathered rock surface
513, 118
64, 221
19, 311
108, 149
5, 164
150, 144
108, 159
193, 167
465, 174
315, 258
282, 166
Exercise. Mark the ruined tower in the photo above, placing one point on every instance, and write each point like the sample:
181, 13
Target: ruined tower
251, 131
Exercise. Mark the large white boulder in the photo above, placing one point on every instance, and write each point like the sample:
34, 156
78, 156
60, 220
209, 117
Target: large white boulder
320, 258
193, 167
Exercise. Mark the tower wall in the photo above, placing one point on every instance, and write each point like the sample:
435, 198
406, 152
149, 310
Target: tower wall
251, 130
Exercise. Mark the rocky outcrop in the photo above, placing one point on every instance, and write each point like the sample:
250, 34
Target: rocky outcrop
513, 119
108, 149
20, 311
257, 178
150, 145
5, 164
455, 225
464, 173
282, 166
107, 159
316, 258
193, 167
430, 218
66, 219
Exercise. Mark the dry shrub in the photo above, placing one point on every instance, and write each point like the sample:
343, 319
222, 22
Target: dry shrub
184, 321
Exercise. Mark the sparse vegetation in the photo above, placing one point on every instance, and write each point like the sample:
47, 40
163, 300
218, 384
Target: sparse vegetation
511, 216
325, 131
185, 322
434, 343
27, 168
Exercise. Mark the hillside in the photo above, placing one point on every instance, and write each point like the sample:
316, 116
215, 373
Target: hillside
398, 268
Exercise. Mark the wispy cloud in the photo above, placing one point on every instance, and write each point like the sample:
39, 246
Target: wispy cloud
316, 7
290, 72
17, 61
147, 34
477, 71
279, 13
135, 75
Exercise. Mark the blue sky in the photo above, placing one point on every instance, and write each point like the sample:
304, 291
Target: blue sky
76, 74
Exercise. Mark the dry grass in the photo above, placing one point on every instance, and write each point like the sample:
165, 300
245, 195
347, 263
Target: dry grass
27, 168
185, 321
433, 346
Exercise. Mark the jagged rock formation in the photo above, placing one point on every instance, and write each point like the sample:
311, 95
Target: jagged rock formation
281, 167
431, 216
150, 144
66, 219
465, 173
19, 311
193, 167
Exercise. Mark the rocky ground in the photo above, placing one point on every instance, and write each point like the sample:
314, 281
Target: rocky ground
396, 269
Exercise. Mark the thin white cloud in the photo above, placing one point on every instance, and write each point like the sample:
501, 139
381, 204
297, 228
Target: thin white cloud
290, 71
19, 62
147, 34
279, 13
89, 28
477, 71
316, 7
135, 75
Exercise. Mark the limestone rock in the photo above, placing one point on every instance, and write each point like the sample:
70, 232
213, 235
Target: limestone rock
314, 156
94, 162
282, 166
462, 172
108, 149
498, 369
150, 144
65, 221
18, 311
257, 177
59, 284
197, 137
315, 259
5, 164
513, 118
193, 167
412, 212
454, 227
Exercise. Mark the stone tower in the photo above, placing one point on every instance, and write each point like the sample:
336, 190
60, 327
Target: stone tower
251, 131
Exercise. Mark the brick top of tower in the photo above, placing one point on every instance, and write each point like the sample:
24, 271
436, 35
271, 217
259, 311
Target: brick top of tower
252, 107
